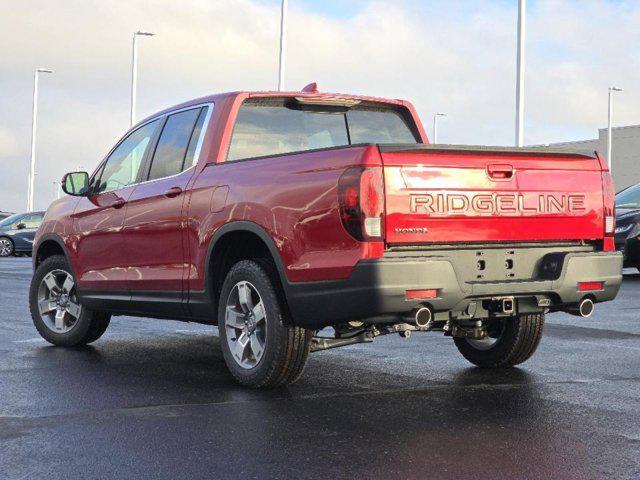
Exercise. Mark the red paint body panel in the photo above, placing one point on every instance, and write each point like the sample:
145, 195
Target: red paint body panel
153, 228
300, 215
99, 258
449, 198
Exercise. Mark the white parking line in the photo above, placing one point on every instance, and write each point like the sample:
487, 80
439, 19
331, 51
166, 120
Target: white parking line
600, 344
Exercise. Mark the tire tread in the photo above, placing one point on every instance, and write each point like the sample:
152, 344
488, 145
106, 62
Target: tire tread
292, 343
520, 343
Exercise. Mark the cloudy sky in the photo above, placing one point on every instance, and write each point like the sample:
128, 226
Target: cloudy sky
455, 56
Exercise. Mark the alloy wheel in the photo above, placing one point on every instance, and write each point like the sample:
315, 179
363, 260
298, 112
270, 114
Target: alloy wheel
57, 301
245, 324
5, 247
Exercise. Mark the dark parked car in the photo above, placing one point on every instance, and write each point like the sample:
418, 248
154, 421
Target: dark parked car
4, 215
17, 232
628, 225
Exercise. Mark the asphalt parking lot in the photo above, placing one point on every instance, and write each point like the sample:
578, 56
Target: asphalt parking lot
152, 399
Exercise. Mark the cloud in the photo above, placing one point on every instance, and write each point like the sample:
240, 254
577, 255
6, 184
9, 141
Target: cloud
457, 57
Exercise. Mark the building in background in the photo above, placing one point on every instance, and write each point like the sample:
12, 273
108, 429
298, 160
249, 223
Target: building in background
625, 152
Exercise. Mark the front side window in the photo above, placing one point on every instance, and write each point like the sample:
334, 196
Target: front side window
171, 152
272, 128
11, 220
122, 166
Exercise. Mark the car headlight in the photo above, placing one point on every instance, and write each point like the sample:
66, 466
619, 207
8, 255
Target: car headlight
624, 228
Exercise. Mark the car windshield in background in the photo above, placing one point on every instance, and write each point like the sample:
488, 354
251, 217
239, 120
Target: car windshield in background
9, 220
629, 198
270, 129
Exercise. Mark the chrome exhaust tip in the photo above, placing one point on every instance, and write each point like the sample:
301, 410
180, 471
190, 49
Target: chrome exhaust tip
423, 317
583, 309
586, 307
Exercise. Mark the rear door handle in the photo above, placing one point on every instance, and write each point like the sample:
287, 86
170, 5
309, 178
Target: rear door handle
500, 172
173, 192
119, 203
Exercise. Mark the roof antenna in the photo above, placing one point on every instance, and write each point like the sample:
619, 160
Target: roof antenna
311, 88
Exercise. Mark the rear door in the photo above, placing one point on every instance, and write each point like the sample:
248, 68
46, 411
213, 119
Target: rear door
155, 221
474, 195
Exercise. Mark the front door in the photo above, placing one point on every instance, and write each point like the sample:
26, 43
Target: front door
98, 218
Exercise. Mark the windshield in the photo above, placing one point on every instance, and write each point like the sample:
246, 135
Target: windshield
9, 220
629, 198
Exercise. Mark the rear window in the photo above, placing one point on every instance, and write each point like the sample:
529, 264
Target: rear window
264, 129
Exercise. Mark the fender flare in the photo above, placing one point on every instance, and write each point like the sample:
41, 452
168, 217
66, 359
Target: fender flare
48, 237
260, 232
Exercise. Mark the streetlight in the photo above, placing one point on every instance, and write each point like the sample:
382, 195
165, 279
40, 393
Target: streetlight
283, 43
611, 90
522, 7
134, 71
32, 170
56, 189
435, 125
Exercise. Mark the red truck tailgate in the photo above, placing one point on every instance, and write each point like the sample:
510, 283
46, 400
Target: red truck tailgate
447, 194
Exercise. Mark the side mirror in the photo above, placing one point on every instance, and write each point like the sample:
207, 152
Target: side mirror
75, 183
21, 226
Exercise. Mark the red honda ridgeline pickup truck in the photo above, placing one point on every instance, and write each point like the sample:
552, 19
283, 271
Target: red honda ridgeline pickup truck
274, 215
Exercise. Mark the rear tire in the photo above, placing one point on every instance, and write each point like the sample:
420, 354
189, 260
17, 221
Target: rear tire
7, 248
252, 312
517, 341
80, 328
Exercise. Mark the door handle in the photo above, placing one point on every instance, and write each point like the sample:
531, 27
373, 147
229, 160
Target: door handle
173, 192
119, 203
500, 172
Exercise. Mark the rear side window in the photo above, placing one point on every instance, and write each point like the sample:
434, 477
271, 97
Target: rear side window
264, 129
33, 220
170, 155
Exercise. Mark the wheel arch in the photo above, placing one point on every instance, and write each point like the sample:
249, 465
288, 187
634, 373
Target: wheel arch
240, 240
49, 245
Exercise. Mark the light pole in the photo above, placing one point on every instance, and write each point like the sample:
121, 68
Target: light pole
435, 125
522, 7
134, 71
56, 189
283, 43
609, 139
32, 170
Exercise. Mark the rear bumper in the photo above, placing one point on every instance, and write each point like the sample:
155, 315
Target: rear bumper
376, 289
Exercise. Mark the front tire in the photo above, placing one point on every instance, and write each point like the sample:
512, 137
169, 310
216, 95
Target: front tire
514, 341
261, 348
55, 309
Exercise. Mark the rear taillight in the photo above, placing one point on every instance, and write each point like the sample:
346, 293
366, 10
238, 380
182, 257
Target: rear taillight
361, 200
609, 211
